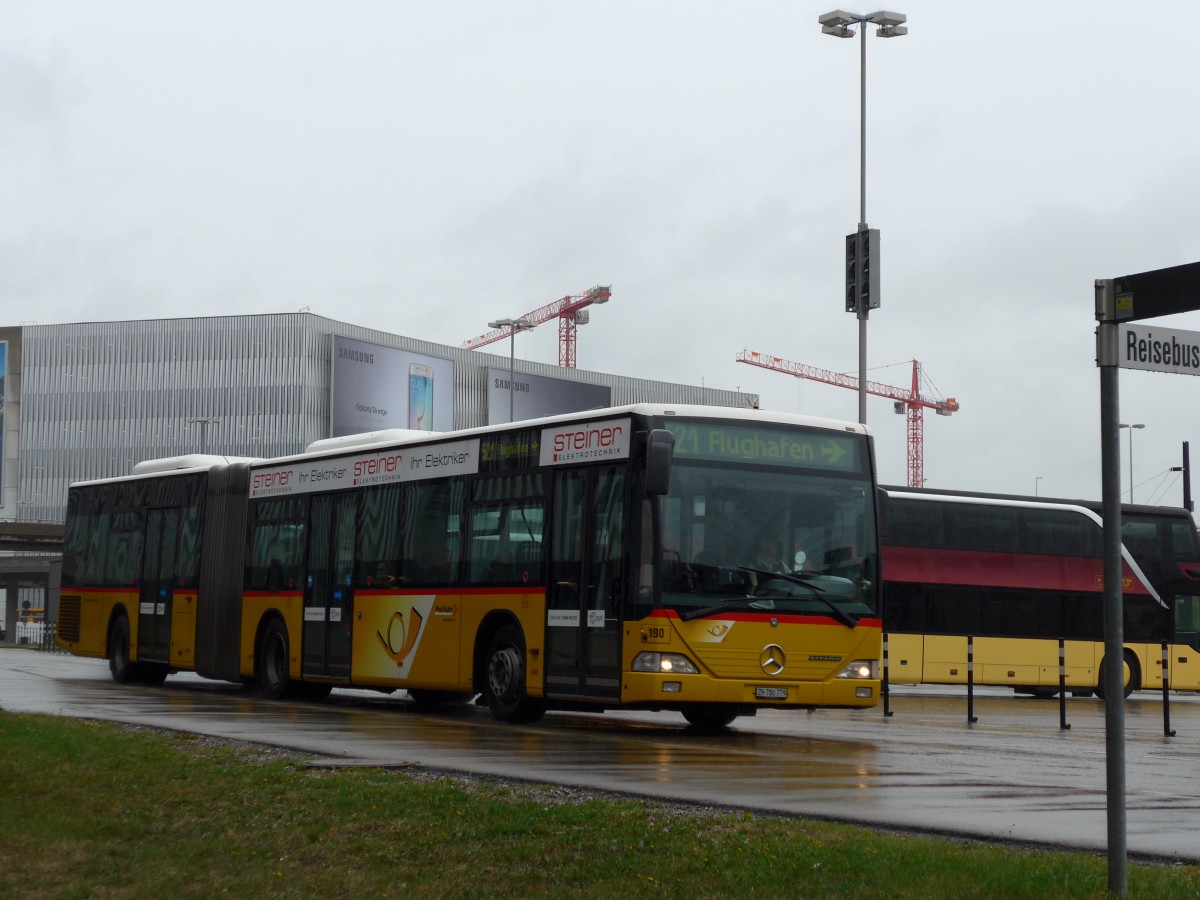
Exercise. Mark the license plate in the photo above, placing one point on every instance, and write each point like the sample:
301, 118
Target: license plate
770, 693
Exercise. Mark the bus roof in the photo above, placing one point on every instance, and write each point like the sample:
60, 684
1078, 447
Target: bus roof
172, 465
404, 437
1095, 506
198, 462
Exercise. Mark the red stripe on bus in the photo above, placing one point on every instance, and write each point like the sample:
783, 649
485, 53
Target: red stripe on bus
81, 589
810, 619
1012, 570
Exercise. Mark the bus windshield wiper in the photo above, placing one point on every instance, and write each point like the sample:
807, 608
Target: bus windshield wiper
731, 605
817, 591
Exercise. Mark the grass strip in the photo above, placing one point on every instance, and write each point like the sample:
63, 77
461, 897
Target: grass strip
93, 809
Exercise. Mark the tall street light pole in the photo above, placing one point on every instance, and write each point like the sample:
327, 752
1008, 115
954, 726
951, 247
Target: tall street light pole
1131, 427
204, 422
888, 24
513, 326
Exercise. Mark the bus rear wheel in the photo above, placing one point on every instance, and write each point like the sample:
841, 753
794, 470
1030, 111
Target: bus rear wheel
273, 661
504, 685
123, 671
710, 717
1132, 679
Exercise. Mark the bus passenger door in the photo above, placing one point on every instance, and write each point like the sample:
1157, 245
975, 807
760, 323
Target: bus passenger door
583, 627
158, 574
329, 587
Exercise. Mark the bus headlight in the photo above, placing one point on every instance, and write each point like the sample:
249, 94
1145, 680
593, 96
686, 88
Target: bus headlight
860, 668
673, 663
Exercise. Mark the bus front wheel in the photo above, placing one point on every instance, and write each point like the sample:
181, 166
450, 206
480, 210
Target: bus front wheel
1131, 675
505, 678
273, 661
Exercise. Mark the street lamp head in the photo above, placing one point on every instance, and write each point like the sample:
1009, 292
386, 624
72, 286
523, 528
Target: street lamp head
1138, 425
837, 23
839, 18
887, 19
838, 31
514, 324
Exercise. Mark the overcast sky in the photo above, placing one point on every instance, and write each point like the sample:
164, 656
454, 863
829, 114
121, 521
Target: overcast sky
424, 167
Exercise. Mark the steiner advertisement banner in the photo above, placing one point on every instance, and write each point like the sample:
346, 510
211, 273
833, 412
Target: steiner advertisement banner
377, 387
534, 396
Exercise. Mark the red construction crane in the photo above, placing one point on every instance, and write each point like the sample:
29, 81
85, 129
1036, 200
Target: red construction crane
570, 312
909, 401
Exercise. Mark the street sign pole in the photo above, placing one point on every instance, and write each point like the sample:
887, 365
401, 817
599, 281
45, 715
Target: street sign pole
1120, 301
1112, 674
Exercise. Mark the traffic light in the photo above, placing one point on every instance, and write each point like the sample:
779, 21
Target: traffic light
862, 270
852, 273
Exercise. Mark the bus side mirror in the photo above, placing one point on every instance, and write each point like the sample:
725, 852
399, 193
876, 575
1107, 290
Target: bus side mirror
659, 449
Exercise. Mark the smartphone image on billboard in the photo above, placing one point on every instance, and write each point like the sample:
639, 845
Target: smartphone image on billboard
420, 397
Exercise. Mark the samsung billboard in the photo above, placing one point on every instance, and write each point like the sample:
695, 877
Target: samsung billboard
534, 396
377, 387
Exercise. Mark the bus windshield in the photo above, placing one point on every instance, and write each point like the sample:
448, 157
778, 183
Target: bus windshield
769, 540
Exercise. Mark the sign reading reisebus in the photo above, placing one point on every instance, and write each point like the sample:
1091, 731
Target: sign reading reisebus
585, 442
1158, 349
395, 464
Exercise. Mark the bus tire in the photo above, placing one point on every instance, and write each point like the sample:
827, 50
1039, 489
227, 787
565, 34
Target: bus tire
123, 671
272, 661
710, 717
504, 685
1133, 675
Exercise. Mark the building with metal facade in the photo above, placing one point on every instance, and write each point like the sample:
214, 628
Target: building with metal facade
89, 400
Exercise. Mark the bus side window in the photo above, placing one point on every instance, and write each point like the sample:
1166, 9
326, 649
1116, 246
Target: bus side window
1187, 621
506, 529
431, 534
378, 536
276, 545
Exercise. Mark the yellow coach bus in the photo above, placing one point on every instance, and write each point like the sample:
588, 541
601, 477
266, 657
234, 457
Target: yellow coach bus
585, 561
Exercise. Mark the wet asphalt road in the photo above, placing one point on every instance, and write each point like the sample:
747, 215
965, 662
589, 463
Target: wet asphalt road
1013, 775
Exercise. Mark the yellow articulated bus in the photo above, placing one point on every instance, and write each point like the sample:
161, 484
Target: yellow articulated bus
588, 561
1018, 574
